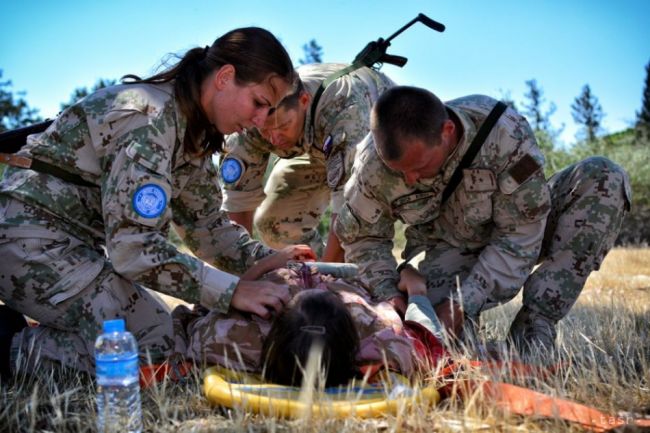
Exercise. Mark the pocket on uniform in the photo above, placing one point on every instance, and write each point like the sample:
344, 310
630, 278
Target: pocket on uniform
346, 225
77, 266
55, 269
417, 208
475, 196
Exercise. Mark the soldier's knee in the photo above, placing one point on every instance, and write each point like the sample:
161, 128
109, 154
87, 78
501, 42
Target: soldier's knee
596, 166
610, 178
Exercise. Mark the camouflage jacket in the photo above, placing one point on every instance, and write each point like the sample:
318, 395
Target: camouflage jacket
127, 140
342, 120
499, 208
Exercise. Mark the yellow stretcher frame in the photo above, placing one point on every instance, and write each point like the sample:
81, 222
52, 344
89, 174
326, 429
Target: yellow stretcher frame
231, 389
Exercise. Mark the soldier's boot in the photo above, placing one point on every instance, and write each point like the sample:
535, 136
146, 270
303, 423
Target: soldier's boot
11, 322
533, 334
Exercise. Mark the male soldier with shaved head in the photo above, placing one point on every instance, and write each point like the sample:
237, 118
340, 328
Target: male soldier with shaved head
485, 227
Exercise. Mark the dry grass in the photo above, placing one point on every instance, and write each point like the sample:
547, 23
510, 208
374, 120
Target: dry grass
625, 273
604, 343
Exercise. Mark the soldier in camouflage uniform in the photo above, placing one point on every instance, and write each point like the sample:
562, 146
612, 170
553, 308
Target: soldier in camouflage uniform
316, 156
502, 219
83, 233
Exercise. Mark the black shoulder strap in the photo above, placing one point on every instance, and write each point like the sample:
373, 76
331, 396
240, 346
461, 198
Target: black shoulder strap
326, 82
43, 167
11, 141
473, 149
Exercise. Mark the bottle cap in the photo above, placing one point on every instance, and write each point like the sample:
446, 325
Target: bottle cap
116, 325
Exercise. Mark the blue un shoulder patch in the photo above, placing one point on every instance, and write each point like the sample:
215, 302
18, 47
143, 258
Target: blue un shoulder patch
149, 200
231, 169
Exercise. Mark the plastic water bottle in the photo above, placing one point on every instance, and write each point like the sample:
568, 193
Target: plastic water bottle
118, 386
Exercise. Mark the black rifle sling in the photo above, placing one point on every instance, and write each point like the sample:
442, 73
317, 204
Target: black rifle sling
473, 149
326, 82
11, 141
53, 170
467, 159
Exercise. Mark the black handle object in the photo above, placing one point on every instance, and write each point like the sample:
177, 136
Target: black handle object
11, 141
375, 51
432, 24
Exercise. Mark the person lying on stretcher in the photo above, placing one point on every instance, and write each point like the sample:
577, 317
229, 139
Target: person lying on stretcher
337, 313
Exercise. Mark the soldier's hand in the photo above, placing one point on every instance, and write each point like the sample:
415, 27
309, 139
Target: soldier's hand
279, 259
301, 253
399, 304
451, 316
412, 281
260, 297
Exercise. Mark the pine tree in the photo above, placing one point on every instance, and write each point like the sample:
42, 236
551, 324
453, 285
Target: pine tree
539, 118
313, 53
643, 116
533, 108
586, 111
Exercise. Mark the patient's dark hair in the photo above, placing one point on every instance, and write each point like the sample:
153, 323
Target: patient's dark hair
312, 316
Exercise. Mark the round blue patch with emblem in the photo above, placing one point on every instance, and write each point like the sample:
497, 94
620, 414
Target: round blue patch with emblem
149, 200
231, 170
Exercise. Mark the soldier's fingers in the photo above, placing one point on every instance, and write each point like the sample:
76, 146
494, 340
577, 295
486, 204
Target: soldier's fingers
302, 252
256, 306
283, 293
275, 303
264, 313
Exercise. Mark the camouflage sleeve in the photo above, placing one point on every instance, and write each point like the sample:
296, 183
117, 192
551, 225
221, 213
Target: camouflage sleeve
242, 171
365, 227
345, 121
520, 206
207, 230
136, 197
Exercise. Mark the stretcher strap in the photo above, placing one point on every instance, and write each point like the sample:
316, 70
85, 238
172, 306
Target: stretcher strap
523, 401
153, 373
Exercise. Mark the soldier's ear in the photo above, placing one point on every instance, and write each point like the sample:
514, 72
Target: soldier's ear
304, 99
224, 75
448, 131
448, 127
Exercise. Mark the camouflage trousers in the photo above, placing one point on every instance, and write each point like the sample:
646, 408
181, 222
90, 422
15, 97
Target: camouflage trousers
296, 196
70, 288
589, 201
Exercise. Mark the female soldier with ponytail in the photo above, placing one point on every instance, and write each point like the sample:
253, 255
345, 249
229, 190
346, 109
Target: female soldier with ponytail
84, 222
